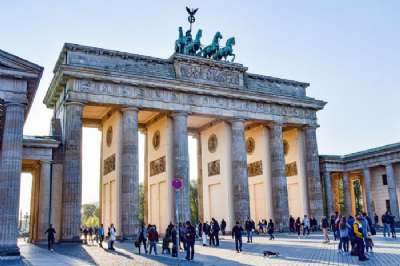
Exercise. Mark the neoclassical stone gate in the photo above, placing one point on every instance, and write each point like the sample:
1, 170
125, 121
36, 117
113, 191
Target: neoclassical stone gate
257, 151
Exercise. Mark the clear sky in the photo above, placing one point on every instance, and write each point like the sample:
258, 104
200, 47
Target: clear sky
347, 50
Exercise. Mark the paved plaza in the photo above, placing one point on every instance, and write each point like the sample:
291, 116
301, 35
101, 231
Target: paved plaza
293, 251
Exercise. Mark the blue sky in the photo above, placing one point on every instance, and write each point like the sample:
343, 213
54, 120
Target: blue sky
347, 50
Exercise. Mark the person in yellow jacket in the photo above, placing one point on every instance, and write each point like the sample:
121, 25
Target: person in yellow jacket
359, 238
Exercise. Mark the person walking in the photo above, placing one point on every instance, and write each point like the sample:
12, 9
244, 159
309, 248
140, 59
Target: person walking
50, 237
350, 221
237, 235
112, 232
306, 225
174, 239
90, 233
325, 227
271, 230
392, 226
215, 231
142, 239
297, 225
204, 233
249, 230
190, 240
101, 235
223, 226
85, 235
344, 228
359, 238
291, 224
153, 238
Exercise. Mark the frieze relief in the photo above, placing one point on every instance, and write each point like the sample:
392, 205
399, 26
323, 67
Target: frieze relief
254, 169
109, 165
214, 168
157, 166
202, 73
291, 169
177, 97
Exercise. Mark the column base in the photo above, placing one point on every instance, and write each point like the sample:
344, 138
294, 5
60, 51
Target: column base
9, 253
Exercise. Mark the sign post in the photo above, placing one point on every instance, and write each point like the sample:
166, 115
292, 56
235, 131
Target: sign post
177, 185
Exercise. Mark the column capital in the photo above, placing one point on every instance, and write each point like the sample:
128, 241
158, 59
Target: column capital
46, 162
237, 119
179, 113
310, 126
74, 103
129, 108
271, 124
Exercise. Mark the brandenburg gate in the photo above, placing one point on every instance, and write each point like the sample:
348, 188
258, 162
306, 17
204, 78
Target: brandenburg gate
257, 148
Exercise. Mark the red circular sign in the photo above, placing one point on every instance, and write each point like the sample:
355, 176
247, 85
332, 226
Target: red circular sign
177, 183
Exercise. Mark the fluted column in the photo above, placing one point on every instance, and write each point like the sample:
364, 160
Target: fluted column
328, 193
129, 206
181, 163
368, 192
44, 199
240, 183
72, 182
347, 193
278, 176
391, 181
10, 178
199, 179
313, 173
146, 179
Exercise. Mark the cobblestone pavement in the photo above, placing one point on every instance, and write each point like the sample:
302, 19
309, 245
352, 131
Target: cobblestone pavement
293, 251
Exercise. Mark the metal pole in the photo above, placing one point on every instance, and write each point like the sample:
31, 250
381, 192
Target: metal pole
177, 222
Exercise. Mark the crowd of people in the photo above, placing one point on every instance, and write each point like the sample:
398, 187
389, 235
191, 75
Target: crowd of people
353, 233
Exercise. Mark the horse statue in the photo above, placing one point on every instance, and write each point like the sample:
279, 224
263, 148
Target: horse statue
226, 51
180, 43
194, 46
209, 50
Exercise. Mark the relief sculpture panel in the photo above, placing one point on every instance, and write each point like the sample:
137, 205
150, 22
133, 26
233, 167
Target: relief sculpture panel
254, 169
291, 169
109, 165
213, 168
157, 166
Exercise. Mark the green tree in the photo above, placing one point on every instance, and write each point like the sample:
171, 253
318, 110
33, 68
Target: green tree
90, 215
141, 202
194, 204
357, 195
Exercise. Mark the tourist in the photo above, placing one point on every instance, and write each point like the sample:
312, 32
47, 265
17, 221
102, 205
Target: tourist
215, 231
181, 236
338, 218
359, 238
223, 226
85, 235
297, 225
350, 221
200, 229
50, 237
90, 233
207, 229
386, 223
237, 235
153, 238
260, 227
333, 226
291, 224
344, 228
306, 225
190, 240
392, 225
314, 224
249, 230
111, 237
174, 239
271, 230
204, 233
101, 235
142, 239
365, 229
325, 227
376, 219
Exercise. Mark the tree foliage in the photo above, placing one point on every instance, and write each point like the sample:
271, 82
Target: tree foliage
141, 202
194, 202
90, 215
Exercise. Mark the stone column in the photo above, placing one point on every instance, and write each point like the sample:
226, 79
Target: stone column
10, 178
278, 176
368, 192
240, 183
72, 182
146, 179
199, 179
391, 181
328, 193
181, 163
129, 206
347, 193
44, 199
313, 174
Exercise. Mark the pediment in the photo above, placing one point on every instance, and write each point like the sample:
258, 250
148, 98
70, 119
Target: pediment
14, 66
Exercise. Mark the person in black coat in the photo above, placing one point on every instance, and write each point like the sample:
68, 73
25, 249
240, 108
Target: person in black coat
237, 235
50, 237
223, 226
174, 239
215, 231
271, 229
190, 237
